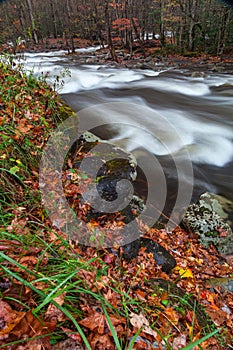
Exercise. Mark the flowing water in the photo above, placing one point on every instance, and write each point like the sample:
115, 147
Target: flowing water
165, 112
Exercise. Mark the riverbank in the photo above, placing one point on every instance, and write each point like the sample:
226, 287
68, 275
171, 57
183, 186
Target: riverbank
157, 59
89, 296
153, 58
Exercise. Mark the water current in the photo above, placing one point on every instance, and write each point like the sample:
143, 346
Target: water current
173, 115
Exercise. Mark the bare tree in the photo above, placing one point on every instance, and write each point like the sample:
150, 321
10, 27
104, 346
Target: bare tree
35, 38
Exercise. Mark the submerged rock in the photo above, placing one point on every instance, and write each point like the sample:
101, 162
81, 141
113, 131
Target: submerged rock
210, 219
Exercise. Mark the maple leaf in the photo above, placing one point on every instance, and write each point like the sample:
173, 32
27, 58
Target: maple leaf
23, 127
8, 319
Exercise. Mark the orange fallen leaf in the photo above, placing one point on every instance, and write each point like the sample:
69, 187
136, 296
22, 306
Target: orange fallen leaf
8, 318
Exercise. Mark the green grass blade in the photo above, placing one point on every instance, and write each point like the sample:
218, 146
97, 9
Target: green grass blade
29, 285
199, 341
50, 296
79, 329
115, 337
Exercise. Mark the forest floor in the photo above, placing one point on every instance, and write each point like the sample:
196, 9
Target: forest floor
57, 295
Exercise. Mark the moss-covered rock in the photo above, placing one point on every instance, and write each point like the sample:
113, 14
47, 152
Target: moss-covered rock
208, 218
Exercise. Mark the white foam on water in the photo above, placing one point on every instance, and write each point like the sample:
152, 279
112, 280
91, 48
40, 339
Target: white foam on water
182, 87
216, 150
208, 142
109, 78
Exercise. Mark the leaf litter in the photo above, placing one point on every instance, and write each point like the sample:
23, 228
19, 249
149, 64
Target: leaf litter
36, 259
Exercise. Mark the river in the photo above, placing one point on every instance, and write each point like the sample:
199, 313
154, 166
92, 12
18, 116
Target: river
173, 114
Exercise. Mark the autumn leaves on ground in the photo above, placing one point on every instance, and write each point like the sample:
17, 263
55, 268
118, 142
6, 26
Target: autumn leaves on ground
56, 294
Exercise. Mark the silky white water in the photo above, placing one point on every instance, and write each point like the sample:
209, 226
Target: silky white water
200, 109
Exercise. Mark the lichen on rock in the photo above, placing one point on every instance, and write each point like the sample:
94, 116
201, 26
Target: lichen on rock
208, 219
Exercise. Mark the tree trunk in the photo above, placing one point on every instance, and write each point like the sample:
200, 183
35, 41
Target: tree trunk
162, 36
69, 27
192, 25
109, 34
32, 21
138, 37
54, 19
225, 19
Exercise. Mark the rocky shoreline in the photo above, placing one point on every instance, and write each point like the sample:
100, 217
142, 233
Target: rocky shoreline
155, 57
156, 61
210, 218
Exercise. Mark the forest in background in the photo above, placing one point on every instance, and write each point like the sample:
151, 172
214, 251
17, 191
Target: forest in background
179, 25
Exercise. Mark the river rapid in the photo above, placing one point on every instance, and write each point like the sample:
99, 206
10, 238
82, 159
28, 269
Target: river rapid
166, 112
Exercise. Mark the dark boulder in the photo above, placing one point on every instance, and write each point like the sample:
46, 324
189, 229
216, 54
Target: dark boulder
161, 255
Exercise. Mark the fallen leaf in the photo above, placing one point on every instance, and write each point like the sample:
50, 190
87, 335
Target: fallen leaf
184, 273
8, 318
140, 321
53, 314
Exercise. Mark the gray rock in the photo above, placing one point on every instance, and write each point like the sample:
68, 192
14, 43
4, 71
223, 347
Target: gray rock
91, 60
219, 204
224, 283
207, 218
112, 171
198, 74
161, 255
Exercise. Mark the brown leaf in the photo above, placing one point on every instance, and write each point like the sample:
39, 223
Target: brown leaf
140, 321
53, 314
8, 318
103, 342
72, 335
97, 322
23, 127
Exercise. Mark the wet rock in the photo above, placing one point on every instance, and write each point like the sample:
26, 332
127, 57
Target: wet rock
199, 74
224, 89
208, 218
145, 66
91, 60
116, 163
161, 255
224, 283
113, 171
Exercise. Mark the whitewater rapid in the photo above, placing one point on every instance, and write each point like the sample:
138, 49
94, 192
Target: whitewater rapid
199, 108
